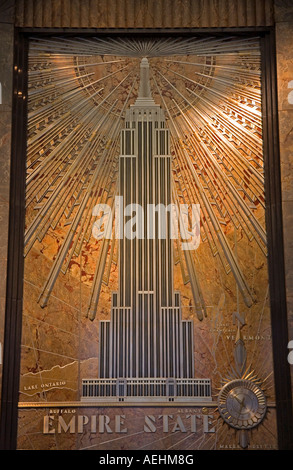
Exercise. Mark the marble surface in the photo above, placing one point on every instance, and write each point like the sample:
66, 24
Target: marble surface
284, 48
159, 428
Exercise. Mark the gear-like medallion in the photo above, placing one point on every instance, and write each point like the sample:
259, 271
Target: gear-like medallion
242, 404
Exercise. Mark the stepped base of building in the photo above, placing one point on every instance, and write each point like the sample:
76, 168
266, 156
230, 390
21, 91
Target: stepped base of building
141, 390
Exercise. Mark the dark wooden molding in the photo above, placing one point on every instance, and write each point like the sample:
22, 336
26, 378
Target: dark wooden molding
276, 261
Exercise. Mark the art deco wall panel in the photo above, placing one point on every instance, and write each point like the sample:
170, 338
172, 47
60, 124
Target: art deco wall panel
146, 340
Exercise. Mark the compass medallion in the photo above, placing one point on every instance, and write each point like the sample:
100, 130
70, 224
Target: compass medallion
242, 404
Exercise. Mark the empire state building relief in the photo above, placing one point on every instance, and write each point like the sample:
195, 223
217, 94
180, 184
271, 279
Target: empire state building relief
146, 275
146, 337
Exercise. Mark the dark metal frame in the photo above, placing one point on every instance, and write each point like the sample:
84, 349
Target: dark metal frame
14, 294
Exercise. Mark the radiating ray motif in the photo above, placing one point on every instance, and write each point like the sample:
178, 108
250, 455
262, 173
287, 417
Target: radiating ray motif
78, 92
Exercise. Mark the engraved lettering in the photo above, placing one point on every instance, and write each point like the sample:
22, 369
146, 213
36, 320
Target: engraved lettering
119, 421
54, 422
179, 426
104, 421
65, 427
207, 423
149, 424
47, 425
81, 421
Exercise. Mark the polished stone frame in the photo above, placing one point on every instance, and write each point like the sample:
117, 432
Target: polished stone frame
14, 290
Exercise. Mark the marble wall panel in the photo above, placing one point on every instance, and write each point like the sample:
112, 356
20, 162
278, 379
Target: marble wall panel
288, 242
286, 149
284, 48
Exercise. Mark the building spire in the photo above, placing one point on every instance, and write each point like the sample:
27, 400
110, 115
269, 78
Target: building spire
144, 92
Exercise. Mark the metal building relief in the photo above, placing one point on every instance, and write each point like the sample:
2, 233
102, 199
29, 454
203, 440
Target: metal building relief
146, 296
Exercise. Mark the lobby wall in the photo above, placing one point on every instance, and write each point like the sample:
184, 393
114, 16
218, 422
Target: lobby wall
121, 14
